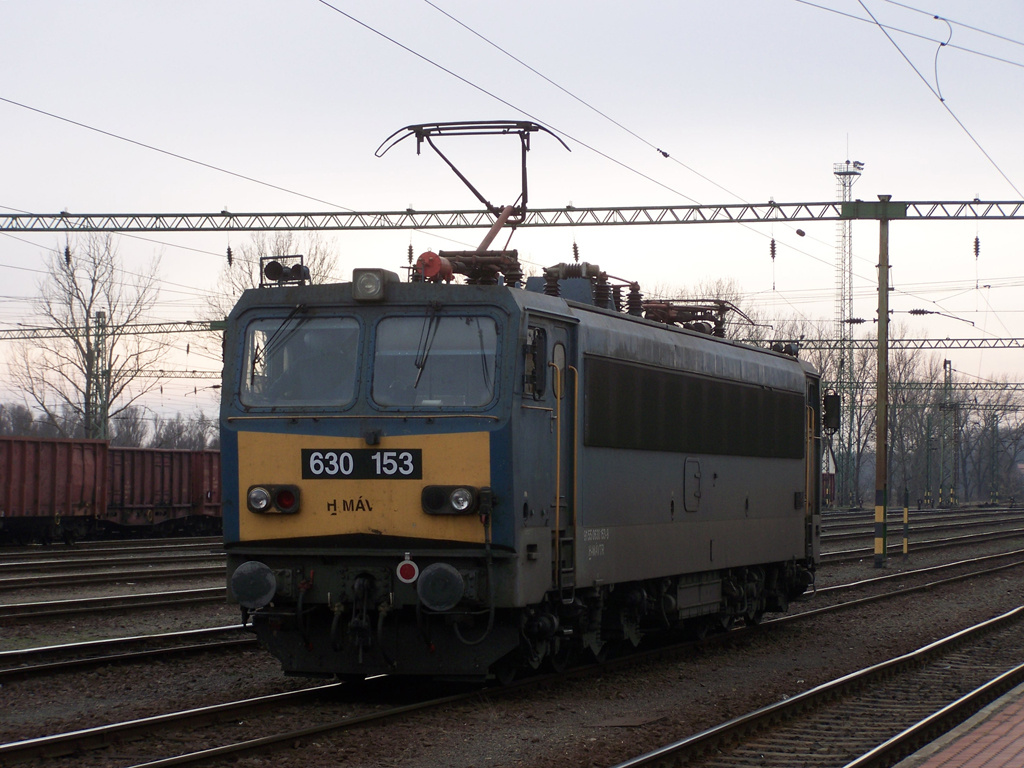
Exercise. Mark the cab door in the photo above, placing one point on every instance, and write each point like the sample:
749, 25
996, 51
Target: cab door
550, 393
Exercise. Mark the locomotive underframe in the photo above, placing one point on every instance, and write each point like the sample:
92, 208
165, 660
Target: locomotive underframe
352, 618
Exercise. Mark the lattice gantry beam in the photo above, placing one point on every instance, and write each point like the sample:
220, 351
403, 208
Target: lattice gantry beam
827, 344
569, 216
186, 326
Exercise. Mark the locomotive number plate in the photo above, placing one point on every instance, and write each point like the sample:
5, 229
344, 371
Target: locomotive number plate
361, 464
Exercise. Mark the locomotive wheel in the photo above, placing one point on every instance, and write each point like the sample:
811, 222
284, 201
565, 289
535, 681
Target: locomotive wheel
560, 654
697, 629
597, 651
505, 670
753, 618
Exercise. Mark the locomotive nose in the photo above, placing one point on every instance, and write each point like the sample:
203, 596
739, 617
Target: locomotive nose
253, 584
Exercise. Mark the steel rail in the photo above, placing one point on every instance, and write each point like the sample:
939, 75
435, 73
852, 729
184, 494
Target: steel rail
92, 738
733, 730
108, 577
918, 527
27, 662
919, 546
91, 560
100, 736
80, 548
113, 603
901, 575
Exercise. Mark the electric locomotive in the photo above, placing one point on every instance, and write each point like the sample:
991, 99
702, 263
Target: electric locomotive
469, 480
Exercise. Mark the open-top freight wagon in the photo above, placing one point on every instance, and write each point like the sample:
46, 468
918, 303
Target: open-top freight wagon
53, 489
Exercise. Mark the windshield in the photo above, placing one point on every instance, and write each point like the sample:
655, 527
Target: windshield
300, 360
435, 360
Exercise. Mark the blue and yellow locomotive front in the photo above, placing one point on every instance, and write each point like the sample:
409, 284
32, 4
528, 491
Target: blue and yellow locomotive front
365, 439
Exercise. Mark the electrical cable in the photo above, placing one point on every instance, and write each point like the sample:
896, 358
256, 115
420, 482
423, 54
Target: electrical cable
958, 23
569, 136
941, 100
911, 34
585, 103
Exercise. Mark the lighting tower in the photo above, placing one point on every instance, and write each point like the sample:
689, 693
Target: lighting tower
846, 481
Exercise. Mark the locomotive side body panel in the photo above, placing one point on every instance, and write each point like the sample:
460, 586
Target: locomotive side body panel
692, 455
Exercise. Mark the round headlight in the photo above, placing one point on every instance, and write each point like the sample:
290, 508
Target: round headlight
259, 499
368, 285
461, 499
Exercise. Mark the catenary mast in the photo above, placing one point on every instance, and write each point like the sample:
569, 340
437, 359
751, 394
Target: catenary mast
846, 175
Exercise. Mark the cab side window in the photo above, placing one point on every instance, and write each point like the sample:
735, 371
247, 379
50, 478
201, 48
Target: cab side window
535, 363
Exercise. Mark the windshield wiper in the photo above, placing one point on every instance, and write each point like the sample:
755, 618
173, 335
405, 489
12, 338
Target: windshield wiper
277, 338
427, 335
483, 355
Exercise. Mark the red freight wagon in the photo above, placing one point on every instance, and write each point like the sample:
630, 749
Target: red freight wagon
54, 489
206, 487
51, 488
172, 491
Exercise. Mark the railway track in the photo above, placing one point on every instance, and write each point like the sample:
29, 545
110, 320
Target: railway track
28, 662
895, 545
870, 717
919, 526
139, 572
91, 605
321, 708
46, 567
108, 561
15, 664
134, 602
105, 548
325, 713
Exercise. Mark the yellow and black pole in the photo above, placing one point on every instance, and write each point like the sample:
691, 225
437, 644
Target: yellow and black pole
906, 523
882, 390
882, 211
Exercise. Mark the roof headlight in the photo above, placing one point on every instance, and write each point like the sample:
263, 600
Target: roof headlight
369, 284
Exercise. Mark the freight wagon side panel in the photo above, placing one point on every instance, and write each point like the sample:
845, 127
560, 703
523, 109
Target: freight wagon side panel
149, 486
45, 478
206, 493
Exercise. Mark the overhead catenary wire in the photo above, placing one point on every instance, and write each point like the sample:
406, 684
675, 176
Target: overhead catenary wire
822, 261
556, 129
909, 33
942, 101
957, 23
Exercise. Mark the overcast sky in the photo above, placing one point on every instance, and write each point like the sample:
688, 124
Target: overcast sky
751, 99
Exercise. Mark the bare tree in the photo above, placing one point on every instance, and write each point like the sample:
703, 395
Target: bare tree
130, 428
97, 367
194, 433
